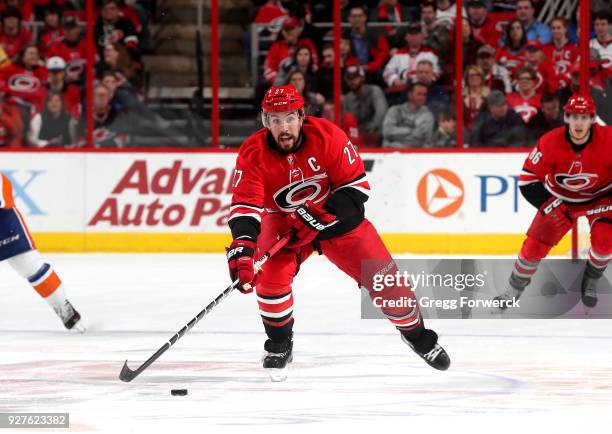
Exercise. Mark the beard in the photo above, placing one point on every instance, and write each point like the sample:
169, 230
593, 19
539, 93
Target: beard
287, 143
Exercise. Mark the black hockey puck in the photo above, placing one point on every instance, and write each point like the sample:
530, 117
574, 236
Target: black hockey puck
178, 392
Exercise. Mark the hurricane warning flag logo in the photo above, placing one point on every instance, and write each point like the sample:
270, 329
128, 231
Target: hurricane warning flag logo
440, 193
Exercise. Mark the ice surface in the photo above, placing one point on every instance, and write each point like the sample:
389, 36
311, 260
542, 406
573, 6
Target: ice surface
348, 373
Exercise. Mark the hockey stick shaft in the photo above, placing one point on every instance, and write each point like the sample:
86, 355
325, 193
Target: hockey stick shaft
126, 375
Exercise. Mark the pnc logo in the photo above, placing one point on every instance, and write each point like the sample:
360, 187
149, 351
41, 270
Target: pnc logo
440, 193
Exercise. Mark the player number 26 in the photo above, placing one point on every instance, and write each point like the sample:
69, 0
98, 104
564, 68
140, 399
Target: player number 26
535, 156
347, 150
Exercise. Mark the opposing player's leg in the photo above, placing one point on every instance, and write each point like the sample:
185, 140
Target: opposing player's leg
348, 251
544, 233
275, 298
600, 255
19, 250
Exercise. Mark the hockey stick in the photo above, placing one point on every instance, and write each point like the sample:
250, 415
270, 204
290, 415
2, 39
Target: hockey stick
126, 375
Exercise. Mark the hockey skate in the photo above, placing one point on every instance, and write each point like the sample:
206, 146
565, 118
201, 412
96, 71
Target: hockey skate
428, 349
69, 316
588, 287
279, 355
506, 299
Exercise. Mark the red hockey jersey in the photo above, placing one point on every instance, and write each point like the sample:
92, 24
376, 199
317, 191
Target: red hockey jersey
526, 108
567, 173
75, 57
547, 80
280, 53
563, 58
510, 60
266, 180
13, 44
26, 86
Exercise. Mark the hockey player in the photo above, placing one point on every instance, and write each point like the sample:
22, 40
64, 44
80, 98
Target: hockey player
567, 175
302, 174
18, 249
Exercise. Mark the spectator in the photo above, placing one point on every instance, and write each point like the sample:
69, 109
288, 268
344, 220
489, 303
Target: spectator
391, 11
401, 68
13, 37
282, 50
313, 106
602, 102
475, 93
123, 98
603, 40
445, 135
72, 48
483, 27
438, 99
109, 124
499, 126
23, 6
496, 77
347, 52
111, 27
447, 12
512, 55
52, 126
436, 35
549, 116
117, 59
365, 101
26, 80
323, 83
534, 29
348, 124
370, 47
301, 61
272, 14
560, 51
525, 101
71, 94
547, 80
51, 31
471, 44
138, 12
597, 75
409, 125
11, 125
574, 87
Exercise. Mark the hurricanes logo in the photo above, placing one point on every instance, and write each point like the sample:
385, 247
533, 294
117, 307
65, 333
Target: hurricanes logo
296, 193
575, 180
526, 111
24, 83
440, 193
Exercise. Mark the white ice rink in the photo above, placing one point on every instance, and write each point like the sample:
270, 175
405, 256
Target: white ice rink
544, 376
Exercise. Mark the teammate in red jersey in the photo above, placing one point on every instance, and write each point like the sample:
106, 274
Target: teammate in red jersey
303, 174
567, 175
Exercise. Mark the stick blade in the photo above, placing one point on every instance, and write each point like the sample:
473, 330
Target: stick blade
126, 375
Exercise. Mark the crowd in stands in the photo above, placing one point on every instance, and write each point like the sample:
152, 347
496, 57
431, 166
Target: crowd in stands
43, 58
398, 67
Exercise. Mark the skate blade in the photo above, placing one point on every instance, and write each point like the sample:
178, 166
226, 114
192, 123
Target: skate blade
79, 327
277, 375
